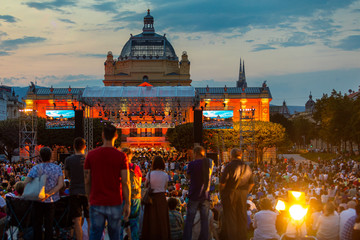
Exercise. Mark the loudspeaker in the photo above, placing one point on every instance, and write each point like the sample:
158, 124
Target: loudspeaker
198, 126
79, 123
62, 157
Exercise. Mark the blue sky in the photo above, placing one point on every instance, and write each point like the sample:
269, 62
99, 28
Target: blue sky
296, 46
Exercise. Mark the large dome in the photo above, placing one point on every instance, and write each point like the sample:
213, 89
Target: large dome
148, 45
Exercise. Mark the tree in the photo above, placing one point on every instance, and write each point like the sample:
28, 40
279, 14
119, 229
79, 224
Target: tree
9, 137
181, 137
265, 135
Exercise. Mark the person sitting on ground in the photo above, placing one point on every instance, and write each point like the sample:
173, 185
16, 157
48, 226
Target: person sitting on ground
328, 224
264, 222
176, 220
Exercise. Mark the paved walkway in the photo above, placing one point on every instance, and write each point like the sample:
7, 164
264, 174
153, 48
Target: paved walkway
297, 158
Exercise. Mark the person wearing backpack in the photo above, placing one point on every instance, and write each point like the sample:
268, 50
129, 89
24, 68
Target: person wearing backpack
135, 181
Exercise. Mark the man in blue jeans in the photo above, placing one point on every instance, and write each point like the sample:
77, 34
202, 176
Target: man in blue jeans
199, 172
107, 183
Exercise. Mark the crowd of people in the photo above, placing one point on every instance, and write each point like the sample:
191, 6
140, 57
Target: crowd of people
147, 193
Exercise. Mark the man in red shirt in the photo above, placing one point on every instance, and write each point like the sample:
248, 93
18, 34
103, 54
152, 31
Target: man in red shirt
107, 184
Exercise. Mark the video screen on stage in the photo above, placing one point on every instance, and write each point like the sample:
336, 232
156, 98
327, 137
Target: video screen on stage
60, 119
218, 119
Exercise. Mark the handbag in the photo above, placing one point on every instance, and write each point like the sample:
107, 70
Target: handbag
147, 196
35, 190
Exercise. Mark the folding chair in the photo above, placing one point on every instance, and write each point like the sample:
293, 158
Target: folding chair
63, 220
18, 216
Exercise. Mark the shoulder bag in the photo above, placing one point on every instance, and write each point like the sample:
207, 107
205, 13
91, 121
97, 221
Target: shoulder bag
35, 190
147, 196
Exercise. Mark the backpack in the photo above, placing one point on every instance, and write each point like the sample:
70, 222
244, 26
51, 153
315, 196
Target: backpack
135, 183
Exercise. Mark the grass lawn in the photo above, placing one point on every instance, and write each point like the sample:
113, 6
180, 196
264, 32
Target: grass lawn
324, 156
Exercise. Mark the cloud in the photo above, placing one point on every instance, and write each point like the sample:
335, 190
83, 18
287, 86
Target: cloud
76, 54
78, 80
297, 39
350, 43
52, 5
249, 41
13, 44
8, 18
109, 7
193, 38
118, 28
262, 47
210, 16
4, 53
93, 55
66, 20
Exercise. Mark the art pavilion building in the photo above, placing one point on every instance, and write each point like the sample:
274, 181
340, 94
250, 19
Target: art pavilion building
147, 89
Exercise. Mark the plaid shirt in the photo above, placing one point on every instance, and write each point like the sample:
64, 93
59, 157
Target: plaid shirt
348, 228
176, 225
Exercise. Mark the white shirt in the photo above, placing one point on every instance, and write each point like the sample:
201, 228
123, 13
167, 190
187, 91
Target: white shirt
264, 223
158, 180
328, 227
344, 216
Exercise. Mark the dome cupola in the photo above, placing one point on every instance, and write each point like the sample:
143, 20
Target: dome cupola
148, 24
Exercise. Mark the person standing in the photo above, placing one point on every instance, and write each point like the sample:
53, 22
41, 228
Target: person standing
156, 223
236, 181
74, 171
135, 180
199, 172
107, 184
45, 210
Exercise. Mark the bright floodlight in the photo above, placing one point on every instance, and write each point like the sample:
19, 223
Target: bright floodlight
296, 194
280, 205
297, 212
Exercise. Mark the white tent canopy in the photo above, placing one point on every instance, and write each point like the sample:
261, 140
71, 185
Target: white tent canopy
139, 92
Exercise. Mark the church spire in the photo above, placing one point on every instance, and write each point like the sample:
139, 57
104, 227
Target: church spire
241, 83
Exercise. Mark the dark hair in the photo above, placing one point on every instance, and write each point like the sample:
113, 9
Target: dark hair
109, 132
45, 154
199, 151
158, 163
173, 203
79, 144
265, 204
126, 150
19, 187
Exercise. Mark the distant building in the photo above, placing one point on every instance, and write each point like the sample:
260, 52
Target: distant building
283, 110
9, 103
147, 90
310, 105
147, 57
354, 95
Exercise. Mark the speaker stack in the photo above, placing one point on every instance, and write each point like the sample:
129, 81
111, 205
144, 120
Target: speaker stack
79, 123
198, 127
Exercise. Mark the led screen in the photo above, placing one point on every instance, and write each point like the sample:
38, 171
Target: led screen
218, 119
60, 119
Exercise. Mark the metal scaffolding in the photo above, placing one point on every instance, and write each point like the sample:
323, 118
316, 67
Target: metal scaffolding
28, 134
88, 127
247, 133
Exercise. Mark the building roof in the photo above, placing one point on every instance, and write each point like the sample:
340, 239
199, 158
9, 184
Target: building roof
58, 91
139, 92
234, 90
